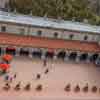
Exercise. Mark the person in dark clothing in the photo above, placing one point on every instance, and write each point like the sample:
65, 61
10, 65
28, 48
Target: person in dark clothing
17, 87
38, 76
45, 62
7, 87
27, 87
15, 75
46, 71
6, 77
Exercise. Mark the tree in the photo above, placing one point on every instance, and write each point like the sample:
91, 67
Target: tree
24, 6
65, 9
11, 5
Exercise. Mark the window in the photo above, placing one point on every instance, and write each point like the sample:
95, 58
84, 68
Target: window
3, 28
55, 34
85, 37
39, 33
22, 31
71, 36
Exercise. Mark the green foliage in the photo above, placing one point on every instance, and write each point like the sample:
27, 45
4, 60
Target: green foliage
24, 6
77, 10
11, 5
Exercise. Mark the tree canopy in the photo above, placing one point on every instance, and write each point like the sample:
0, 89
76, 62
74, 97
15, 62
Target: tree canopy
77, 10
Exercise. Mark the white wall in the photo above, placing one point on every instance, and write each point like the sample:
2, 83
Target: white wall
80, 36
97, 38
12, 28
46, 32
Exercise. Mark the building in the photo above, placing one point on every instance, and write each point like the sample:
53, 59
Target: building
49, 38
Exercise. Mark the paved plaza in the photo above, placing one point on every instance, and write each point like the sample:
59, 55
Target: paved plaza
59, 75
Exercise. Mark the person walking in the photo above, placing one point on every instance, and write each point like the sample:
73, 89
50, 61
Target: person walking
38, 76
46, 71
6, 77
45, 62
15, 75
11, 79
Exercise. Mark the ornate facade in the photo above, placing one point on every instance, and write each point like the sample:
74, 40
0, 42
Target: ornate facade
49, 38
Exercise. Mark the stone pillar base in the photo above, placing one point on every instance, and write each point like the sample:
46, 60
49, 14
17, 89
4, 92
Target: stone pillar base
66, 58
43, 57
54, 57
77, 60
88, 60
17, 52
30, 55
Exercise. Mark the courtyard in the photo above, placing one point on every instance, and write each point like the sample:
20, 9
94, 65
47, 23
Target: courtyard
59, 75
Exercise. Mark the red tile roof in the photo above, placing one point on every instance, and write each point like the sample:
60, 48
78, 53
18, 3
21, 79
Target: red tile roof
29, 41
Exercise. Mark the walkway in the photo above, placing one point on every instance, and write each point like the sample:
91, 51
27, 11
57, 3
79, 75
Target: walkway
53, 83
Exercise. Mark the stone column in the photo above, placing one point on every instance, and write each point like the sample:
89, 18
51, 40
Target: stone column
88, 58
66, 56
55, 55
30, 52
17, 52
98, 60
3, 50
78, 57
43, 55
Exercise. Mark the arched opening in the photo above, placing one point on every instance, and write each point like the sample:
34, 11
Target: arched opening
94, 57
85, 37
61, 55
24, 52
56, 35
10, 50
3, 28
71, 36
37, 54
83, 57
49, 54
73, 56
39, 33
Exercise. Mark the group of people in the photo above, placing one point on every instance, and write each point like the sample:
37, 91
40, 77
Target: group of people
27, 87
17, 86
10, 78
38, 76
77, 88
